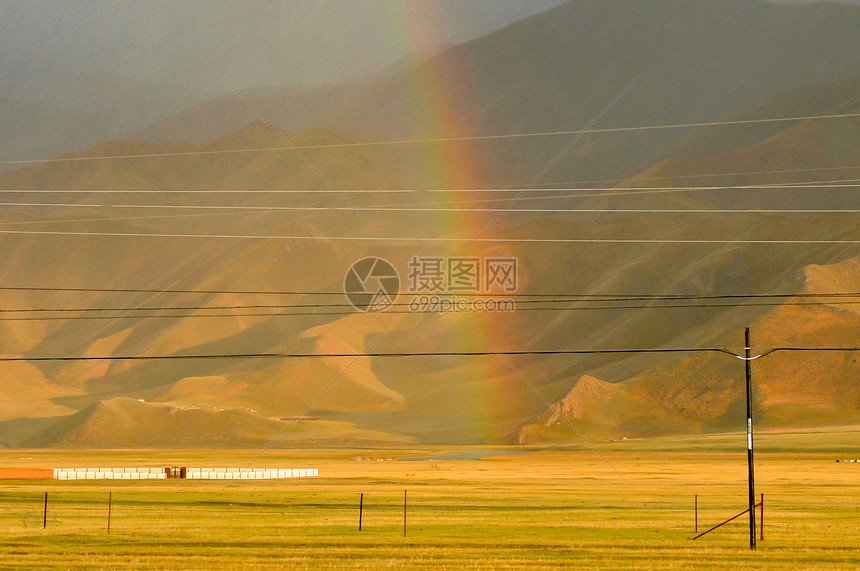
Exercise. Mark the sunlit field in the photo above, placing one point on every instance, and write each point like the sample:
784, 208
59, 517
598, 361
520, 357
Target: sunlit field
535, 510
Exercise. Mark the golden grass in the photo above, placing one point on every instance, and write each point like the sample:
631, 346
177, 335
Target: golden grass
539, 510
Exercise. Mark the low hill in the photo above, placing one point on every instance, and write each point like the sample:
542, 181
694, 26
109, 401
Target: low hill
125, 422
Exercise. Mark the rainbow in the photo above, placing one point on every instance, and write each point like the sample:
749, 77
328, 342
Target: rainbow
438, 112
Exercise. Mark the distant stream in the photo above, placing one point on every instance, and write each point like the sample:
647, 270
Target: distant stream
471, 455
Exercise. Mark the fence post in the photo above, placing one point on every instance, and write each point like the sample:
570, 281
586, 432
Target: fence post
696, 509
110, 505
45, 514
360, 509
761, 520
404, 513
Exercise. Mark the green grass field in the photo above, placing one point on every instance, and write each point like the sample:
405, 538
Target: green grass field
544, 509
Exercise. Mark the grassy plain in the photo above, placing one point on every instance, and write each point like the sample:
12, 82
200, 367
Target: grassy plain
543, 509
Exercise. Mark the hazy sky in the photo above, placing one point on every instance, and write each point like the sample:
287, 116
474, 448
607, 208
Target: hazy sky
201, 43
250, 42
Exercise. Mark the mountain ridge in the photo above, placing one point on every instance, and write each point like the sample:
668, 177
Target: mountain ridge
557, 70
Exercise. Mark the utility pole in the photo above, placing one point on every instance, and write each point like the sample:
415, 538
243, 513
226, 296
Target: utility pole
748, 363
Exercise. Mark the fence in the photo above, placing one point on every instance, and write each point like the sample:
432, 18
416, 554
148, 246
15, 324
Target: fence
180, 473
759, 505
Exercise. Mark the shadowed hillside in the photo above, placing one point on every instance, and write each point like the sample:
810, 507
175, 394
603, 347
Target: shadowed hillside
706, 391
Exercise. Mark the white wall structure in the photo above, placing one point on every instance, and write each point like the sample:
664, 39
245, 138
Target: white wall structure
109, 474
190, 473
250, 473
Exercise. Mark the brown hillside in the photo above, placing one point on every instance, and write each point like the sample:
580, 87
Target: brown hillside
265, 294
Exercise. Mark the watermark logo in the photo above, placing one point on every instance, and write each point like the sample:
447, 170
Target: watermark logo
371, 285
451, 275
437, 284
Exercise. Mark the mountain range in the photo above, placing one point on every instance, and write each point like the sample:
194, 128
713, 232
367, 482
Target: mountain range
215, 181
83, 72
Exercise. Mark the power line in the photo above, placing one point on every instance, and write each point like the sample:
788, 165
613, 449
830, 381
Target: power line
259, 211
402, 239
547, 187
560, 296
271, 210
622, 191
601, 194
119, 218
349, 305
174, 357
809, 184
454, 209
436, 139
705, 175
839, 183
428, 308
